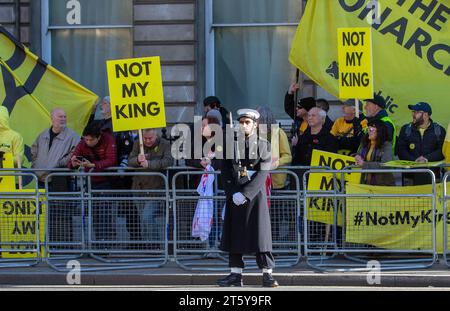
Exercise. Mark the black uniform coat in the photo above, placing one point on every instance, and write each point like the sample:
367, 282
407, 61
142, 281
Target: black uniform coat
246, 228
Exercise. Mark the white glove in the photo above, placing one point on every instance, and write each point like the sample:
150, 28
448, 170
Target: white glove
239, 198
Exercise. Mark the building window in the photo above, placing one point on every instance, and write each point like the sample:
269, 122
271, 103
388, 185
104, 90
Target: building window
79, 36
248, 44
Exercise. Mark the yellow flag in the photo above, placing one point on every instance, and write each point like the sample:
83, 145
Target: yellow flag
30, 89
411, 50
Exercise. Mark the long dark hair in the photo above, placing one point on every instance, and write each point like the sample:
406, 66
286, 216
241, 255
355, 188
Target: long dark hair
382, 134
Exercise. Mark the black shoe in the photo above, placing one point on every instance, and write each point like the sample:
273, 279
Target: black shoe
233, 279
269, 281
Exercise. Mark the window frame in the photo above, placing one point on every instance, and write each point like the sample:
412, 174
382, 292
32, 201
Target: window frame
210, 27
46, 30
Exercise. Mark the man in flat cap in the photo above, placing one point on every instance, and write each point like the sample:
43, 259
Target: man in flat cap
246, 227
375, 109
420, 141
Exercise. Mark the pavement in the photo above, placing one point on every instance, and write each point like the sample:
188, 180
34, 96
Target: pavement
172, 275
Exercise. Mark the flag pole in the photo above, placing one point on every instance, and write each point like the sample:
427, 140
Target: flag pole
141, 142
19, 166
357, 107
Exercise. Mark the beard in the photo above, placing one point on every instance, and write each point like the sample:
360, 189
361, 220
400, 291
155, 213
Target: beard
419, 121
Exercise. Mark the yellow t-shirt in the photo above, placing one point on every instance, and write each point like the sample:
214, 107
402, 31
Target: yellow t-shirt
341, 128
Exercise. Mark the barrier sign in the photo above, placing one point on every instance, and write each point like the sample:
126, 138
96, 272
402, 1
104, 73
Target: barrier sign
355, 63
136, 93
18, 225
403, 223
322, 209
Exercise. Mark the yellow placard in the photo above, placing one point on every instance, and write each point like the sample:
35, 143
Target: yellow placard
355, 63
395, 223
18, 225
7, 183
323, 209
136, 93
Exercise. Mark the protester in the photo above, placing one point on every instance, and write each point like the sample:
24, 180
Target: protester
376, 110
10, 140
53, 149
156, 158
207, 137
213, 103
421, 141
348, 131
323, 104
247, 228
315, 137
297, 113
96, 152
124, 139
210, 163
374, 150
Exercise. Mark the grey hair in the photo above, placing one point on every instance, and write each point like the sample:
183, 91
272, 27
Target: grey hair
322, 114
52, 113
157, 131
107, 99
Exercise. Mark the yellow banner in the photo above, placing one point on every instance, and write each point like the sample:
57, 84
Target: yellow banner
30, 89
323, 209
18, 225
411, 50
411, 164
355, 59
135, 88
399, 223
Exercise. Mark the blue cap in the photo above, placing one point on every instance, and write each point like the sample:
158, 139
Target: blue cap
421, 107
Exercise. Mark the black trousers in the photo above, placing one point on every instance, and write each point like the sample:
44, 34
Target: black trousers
263, 260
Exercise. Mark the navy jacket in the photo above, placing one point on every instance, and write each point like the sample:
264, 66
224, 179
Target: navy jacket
412, 146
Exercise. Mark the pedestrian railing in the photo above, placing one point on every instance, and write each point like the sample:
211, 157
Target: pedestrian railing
21, 221
112, 227
108, 226
349, 226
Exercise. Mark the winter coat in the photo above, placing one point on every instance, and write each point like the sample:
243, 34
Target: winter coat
159, 158
381, 155
308, 142
411, 145
103, 155
58, 155
247, 228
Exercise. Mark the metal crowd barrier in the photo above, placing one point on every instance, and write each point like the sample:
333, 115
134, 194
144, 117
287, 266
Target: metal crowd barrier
106, 226
354, 243
445, 200
191, 253
21, 235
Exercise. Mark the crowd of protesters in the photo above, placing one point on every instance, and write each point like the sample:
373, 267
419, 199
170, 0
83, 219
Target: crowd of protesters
370, 137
